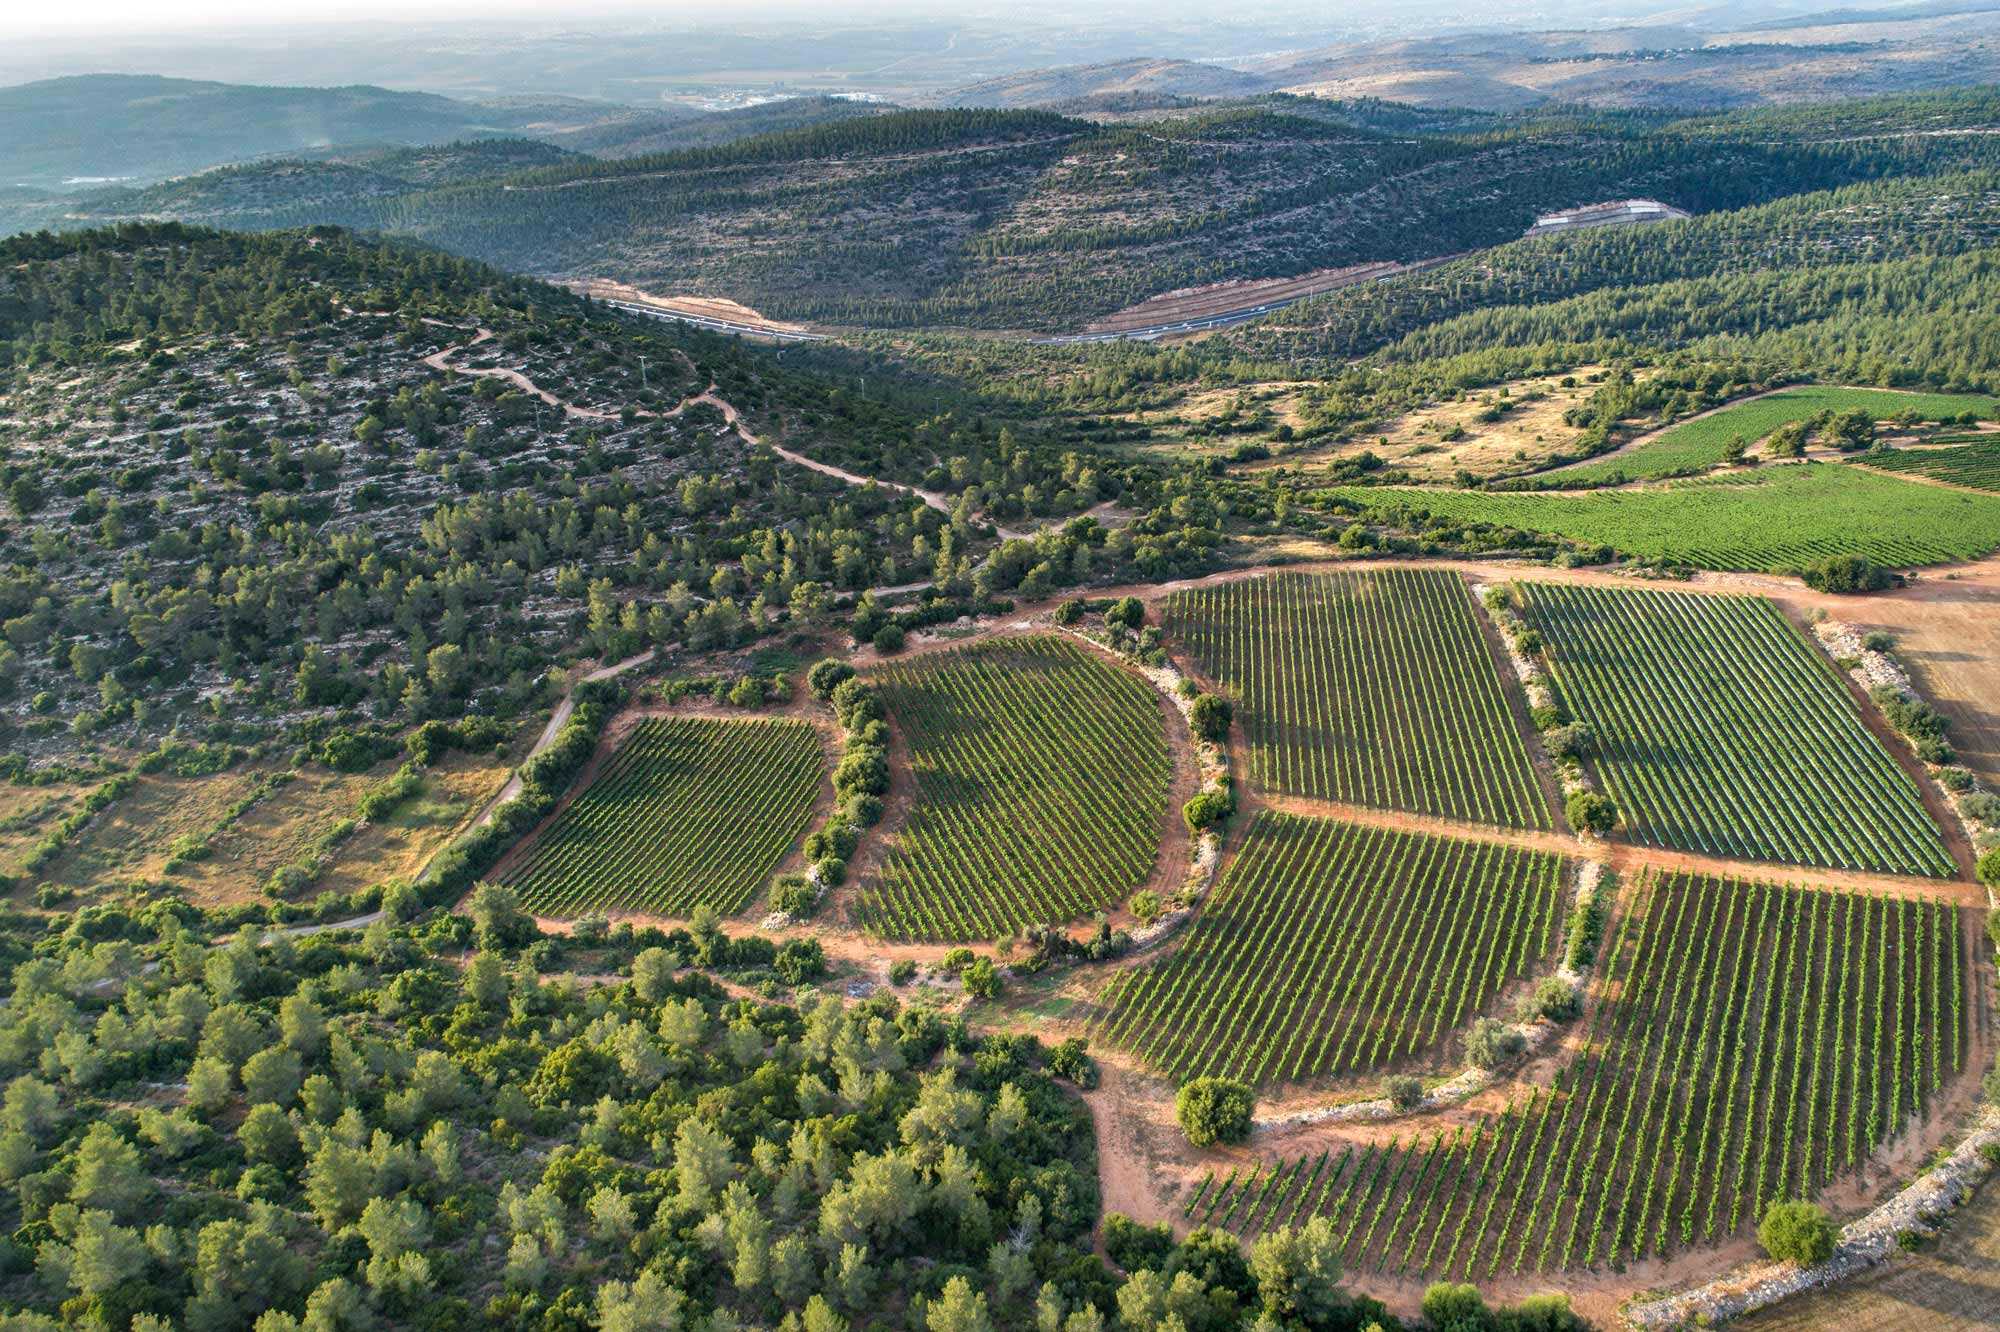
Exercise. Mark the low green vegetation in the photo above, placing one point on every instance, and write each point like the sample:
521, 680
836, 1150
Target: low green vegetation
1717, 727
1776, 519
690, 812
1720, 436
1015, 820
1372, 688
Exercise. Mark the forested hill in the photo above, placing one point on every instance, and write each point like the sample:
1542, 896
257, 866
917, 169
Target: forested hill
1031, 220
290, 470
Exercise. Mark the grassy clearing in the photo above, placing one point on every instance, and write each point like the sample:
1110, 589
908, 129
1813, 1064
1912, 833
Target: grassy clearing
1699, 444
1776, 519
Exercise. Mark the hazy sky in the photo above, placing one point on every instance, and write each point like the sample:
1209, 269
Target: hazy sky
134, 17
138, 16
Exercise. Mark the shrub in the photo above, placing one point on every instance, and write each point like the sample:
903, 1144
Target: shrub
902, 971
794, 895
1146, 906
889, 639
1071, 1060
1210, 715
1846, 573
1555, 999
1450, 1305
1207, 809
1567, 742
1126, 613
1589, 812
1490, 1044
1584, 932
1989, 868
1796, 1232
982, 981
799, 960
1405, 1092
1134, 1246
828, 675
1212, 1110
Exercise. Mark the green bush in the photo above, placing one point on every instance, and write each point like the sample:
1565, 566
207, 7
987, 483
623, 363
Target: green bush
1210, 715
1208, 808
1846, 573
1405, 1092
1989, 867
1797, 1232
1555, 999
1451, 1305
1490, 1044
1071, 1059
1589, 812
794, 895
828, 675
1212, 1110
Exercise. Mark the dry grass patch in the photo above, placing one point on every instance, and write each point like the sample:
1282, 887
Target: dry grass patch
1435, 443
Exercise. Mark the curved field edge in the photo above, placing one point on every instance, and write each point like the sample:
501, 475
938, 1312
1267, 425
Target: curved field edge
1749, 1041
1702, 441
1330, 948
1776, 519
1038, 783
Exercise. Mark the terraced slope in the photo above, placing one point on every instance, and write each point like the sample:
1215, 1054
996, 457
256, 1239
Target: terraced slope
1373, 688
1975, 463
1717, 728
1041, 774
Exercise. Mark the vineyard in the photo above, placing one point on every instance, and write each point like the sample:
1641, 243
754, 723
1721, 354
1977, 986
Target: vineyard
1373, 689
1331, 948
1758, 1043
1777, 518
1698, 444
1041, 775
1975, 463
1718, 728
689, 812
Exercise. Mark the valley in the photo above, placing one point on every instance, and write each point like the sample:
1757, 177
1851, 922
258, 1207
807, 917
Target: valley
1145, 693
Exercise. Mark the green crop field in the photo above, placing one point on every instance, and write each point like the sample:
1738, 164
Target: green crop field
689, 812
1758, 1043
1698, 444
1975, 463
1778, 518
1374, 688
1041, 774
1331, 948
1718, 728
